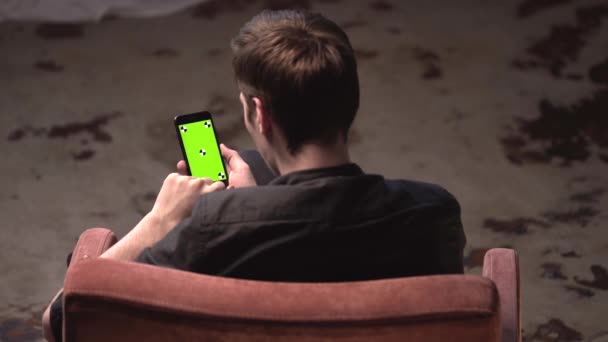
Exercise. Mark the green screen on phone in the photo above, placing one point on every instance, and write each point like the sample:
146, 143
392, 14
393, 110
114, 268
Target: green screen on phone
202, 152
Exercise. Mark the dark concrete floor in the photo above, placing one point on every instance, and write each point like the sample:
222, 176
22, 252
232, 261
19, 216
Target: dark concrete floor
504, 103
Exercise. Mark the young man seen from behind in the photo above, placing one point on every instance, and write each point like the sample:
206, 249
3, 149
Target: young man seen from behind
322, 218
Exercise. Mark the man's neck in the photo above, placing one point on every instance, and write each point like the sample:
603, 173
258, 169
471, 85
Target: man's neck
313, 156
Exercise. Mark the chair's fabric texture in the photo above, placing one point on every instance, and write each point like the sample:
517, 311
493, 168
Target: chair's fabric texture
501, 265
107, 300
91, 244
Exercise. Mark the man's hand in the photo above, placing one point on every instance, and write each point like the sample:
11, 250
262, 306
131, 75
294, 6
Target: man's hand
173, 204
177, 196
239, 173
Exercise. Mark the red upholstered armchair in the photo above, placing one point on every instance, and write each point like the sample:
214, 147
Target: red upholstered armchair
106, 300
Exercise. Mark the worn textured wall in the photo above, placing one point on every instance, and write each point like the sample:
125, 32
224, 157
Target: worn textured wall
505, 103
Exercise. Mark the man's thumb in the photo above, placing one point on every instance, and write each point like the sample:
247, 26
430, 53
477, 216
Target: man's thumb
232, 157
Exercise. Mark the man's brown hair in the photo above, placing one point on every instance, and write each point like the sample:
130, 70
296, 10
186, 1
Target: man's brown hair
302, 67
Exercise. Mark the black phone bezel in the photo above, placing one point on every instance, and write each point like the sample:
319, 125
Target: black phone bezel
182, 119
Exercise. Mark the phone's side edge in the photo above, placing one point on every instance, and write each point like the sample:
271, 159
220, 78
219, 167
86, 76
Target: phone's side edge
217, 141
181, 144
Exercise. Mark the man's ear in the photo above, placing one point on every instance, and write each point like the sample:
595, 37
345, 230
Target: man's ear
263, 122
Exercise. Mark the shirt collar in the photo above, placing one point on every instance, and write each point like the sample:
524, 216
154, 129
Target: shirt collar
296, 177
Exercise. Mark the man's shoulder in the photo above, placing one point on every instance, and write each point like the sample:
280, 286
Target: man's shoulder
247, 204
422, 192
370, 193
250, 194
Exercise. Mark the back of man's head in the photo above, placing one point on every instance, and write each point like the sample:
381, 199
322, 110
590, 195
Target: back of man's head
302, 67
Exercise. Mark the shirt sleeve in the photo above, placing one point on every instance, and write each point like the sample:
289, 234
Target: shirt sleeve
161, 254
183, 247
450, 237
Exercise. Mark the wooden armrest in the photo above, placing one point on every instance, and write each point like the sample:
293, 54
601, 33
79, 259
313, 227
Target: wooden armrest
501, 265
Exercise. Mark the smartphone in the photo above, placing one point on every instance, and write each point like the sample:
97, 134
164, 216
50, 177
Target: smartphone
200, 147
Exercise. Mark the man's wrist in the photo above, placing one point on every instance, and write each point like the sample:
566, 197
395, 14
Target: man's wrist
158, 224
151, 229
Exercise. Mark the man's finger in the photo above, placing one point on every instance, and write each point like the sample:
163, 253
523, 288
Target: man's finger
182, 169
170, 177
232, 157
214, 187
227, 152
228, 169
227, 165
206, 181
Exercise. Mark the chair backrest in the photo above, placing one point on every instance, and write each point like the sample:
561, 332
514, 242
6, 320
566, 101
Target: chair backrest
106, 300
